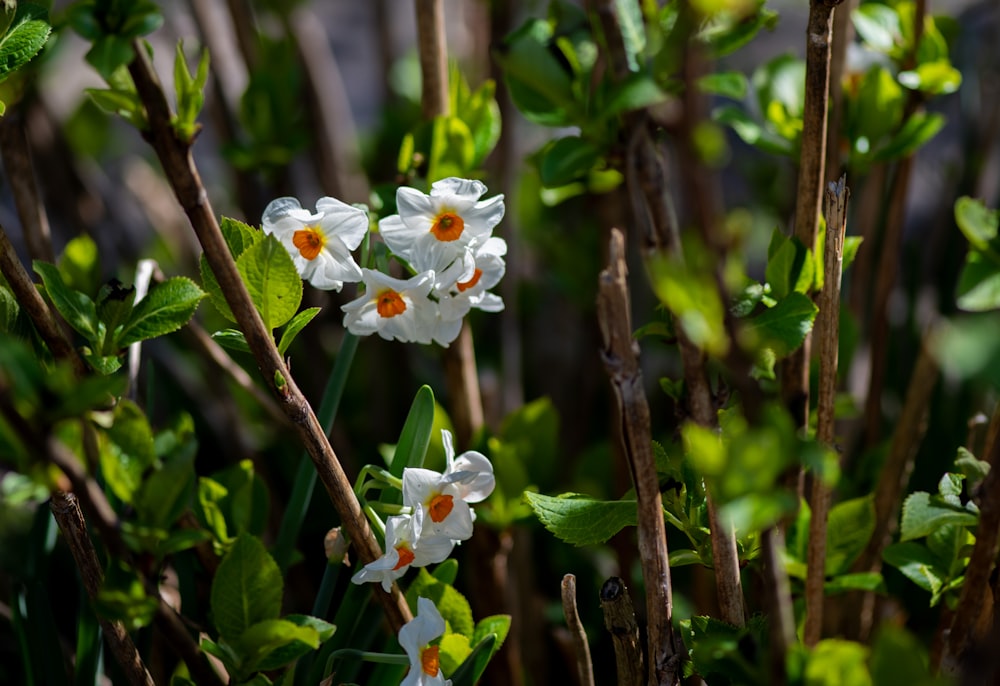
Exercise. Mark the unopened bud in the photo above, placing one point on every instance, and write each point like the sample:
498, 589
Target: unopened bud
335, 544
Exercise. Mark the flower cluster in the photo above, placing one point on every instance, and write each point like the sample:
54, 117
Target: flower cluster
444, 238
439, 518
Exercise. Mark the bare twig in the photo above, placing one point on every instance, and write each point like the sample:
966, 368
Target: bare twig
977, 575
433, 51
621, 360
68, 516
21, 176
895, 474
828, 331
819, 40
843, 31
581, 649
336, 152
175, 156
619, 620
33, 304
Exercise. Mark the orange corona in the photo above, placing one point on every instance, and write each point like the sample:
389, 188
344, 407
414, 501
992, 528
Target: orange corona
309, 242
466, 285
389, 303
430, 661
440, 507
406, 556
447, 226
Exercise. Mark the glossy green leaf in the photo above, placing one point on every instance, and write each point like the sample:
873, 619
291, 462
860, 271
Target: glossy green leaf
978, 223
469, 672
273, 643
784, 326
247, 588
923, 513
836, 662
108, 53
130, 450
635, 92
849, 527
859, 581
114, 307
452, 605
633, 30
167, 307
752, 131
77, 309
790, 267
80, 264
581, 520
978, 284
28, 31
272, 280
168, 491
727, 32
415, 435
452, 149
691, 295
294, 327
567, 159
730, 84
233, 339
190, 95
932, 78
918, 129
878, 25
917, 563
538, 82
453, 649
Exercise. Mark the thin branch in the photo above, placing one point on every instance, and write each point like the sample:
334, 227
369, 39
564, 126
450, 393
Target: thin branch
41, 316
180, 169
21, 176
433, 52
581, 649
619, 620
977, 575
843, 32
68, 516
621, 360
828, 331
809, 193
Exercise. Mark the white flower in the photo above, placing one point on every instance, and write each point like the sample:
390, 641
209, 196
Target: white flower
431, 231
440, 502
415, 638
402, 552
393, 308
320, 244
464, 285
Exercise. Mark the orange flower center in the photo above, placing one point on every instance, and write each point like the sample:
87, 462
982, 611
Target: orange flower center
309, 241
440, 507
466, 285
389, 303
429, 660
406, 556
447, 226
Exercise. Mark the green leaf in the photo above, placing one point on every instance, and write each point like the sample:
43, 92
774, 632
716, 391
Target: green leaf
208, 508
469, 672
108, 53
978, 223
579, 519
415, 435
784, 326
273, 643
114, 307
975, 470
923, 513
190, 96
28, 32
567, 159
727, 32
691, 295
932, 78
452, 149
247, 588
453, 649
130, 452
752, 131
76, 308
636, 92
790, 266
294, 327
272, 280
80, 264
836, 662
917, 563
918, 129
849, 527
729, 84
978, 287
447, 571
239, 236
878, 26
233, 339
124, 103
898, 657
633, 30
166, 308
452, 605
539, 84
859, 581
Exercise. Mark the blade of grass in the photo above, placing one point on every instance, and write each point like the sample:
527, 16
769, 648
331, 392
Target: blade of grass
89, 646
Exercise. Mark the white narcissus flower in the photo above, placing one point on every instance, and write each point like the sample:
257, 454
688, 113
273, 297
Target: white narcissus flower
320, 243
440, 502
415, 638
431, 231
464, 285
403, 551
393, 308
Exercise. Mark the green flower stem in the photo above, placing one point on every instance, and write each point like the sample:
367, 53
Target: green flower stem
305, 477
390, 508
368, 656
379, 477
377, 524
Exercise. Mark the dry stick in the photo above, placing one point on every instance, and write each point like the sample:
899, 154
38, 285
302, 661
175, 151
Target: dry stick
895, 474
21, 176
461, 375
828, 330
819, 37
843, 32
619, 620
41, 316
175, 156
621, 360
68, 516
984, 554
335, 151
581, 650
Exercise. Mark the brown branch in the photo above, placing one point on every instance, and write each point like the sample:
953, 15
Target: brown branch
21, 176
180, 169
828, 331
894, 476
843, 32
433, 52
41, 316
621, 360
812, 159
619, 620
68, 516
977, 575
581, 650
